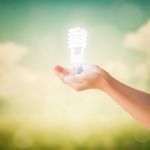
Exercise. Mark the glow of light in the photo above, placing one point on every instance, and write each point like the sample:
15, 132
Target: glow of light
77, 41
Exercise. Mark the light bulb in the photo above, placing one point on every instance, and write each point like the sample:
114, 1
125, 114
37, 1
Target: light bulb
77, 41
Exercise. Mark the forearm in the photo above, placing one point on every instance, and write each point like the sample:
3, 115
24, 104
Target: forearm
136, 102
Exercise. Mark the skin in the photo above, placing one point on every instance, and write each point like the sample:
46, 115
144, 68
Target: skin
135, 102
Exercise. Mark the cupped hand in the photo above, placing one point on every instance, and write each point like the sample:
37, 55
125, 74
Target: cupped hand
93, 77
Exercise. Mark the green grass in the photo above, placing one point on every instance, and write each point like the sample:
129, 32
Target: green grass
16, 136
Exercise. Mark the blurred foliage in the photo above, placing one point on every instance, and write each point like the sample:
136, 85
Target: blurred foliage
14, 136
3, 105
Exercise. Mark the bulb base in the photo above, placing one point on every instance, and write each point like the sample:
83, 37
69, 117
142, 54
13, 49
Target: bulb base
78, 68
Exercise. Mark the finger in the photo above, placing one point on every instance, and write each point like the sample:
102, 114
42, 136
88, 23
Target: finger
61, 72
60, 69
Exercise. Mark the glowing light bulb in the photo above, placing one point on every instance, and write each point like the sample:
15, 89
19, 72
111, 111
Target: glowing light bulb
77, 41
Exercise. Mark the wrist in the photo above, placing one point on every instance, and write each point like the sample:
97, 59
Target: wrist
105, 81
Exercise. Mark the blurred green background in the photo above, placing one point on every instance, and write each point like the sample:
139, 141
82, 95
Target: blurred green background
37, 111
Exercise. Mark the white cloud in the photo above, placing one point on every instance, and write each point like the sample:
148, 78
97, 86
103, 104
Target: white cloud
118, 69
11, 53
19, 83
140, 40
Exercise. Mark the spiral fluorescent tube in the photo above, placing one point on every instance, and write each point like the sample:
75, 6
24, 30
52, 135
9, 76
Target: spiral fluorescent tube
77, 41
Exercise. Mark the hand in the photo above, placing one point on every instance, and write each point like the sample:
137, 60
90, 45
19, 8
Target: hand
92, 78
132, 100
